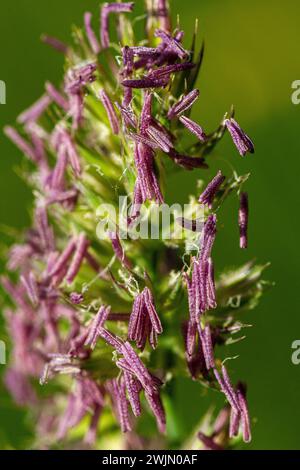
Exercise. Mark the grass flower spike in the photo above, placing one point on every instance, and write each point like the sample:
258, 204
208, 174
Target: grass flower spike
106, 309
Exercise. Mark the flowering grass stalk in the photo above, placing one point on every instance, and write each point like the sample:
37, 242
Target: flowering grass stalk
113, 323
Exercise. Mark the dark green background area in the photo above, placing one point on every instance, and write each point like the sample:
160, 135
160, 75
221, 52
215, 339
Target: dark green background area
251, 59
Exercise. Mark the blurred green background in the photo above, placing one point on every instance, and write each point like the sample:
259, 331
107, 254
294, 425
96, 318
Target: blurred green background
251, 60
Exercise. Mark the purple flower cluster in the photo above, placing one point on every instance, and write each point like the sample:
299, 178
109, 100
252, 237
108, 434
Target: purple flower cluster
143, 380
199, 340
135, 376
87, 397
237, 400
144, 321
57, 257
202, 297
